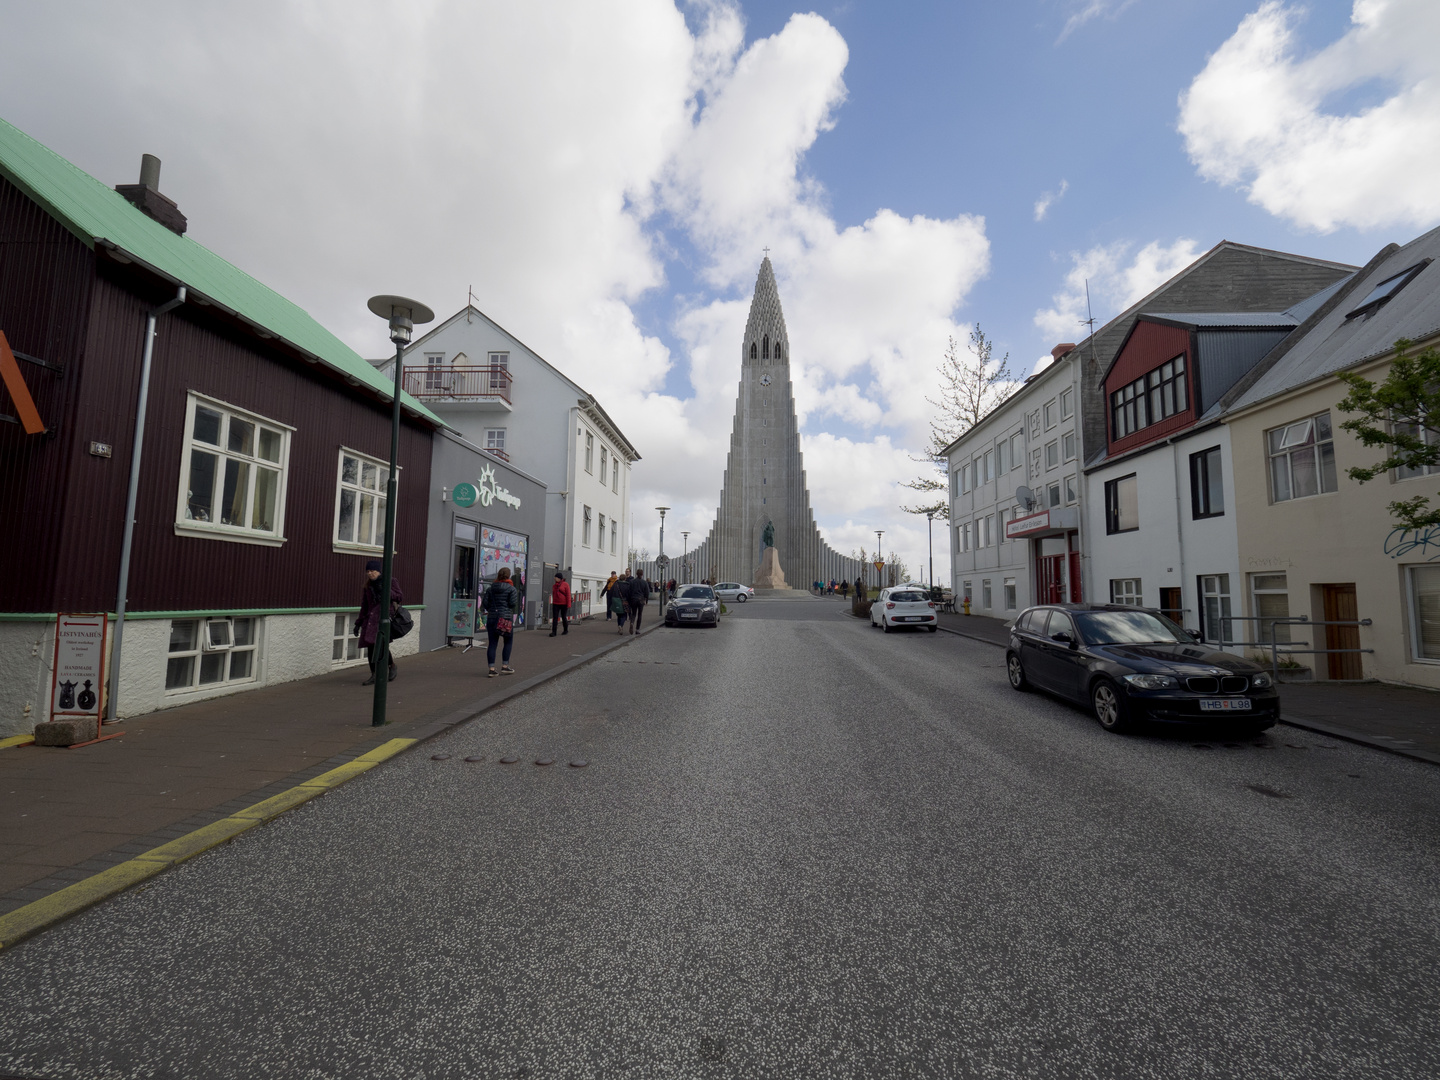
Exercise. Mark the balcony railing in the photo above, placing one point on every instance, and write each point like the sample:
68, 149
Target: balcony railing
501, 454
458, 383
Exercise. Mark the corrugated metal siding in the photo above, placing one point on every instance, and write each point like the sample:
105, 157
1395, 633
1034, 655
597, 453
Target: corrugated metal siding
194, 351
1226, 355
44, 286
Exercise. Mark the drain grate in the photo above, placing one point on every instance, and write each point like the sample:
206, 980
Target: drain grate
712, 1048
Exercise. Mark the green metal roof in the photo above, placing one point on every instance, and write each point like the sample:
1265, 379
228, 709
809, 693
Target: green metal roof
98, 214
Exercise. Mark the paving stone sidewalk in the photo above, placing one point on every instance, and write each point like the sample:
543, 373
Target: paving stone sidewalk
66, 814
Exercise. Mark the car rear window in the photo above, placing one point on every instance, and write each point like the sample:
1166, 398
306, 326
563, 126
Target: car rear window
696, 592
910, 596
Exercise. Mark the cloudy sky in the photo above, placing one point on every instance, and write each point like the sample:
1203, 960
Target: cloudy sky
605, 176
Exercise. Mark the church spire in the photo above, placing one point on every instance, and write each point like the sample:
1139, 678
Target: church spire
765, 336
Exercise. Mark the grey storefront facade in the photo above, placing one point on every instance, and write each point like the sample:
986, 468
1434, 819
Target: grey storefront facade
483, 514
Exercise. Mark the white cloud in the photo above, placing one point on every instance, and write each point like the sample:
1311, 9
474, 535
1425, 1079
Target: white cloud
1050, 198
1084, 11
1114, 283
1256, 117
552, 157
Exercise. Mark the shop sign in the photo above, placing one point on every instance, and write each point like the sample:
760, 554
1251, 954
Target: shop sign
1026, 525
462, 619
78, 678
485, 491
465, 495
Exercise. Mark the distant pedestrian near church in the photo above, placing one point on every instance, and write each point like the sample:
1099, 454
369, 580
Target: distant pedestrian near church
559, 604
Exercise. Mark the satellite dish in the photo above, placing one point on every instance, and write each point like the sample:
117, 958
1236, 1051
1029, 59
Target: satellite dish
1025, 497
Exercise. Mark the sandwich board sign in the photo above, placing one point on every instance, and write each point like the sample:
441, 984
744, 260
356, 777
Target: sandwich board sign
77, 680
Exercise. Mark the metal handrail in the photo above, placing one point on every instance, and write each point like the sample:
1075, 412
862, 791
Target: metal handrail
1292, 620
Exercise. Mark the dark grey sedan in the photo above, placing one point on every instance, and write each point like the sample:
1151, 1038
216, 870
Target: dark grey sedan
693, 605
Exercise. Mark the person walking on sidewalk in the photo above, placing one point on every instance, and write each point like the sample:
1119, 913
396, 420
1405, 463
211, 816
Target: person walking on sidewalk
637, 595
367, 623
617, 600
559, 604
500, 603
608, 594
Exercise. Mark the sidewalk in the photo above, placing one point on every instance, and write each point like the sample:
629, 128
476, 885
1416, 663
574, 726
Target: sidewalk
1402, 719
67, 814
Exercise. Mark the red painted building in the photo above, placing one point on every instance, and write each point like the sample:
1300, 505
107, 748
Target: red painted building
260, 491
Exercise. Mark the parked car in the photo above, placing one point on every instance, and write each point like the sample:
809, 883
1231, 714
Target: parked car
693, 605
902, 606
1130, 664
733, 590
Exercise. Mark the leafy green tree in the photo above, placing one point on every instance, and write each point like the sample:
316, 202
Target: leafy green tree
1401, 415
969, 388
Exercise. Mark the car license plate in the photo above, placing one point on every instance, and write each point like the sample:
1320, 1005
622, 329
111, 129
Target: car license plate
1224, 704
689, 615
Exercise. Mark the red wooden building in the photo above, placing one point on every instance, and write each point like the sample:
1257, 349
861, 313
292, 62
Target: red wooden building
260, 491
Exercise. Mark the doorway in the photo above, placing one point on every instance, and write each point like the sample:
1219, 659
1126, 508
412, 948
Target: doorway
1341, 606
1171, 603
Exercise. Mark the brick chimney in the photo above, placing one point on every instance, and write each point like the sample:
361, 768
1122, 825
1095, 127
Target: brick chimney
147, 198
1061, 349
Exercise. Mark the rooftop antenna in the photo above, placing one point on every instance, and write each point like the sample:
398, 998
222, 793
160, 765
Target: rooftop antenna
1090, 322
469, 300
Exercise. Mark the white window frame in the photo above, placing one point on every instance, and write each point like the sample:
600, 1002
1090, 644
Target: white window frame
342, 637
1052, 455
614, 535
987, 595
1262, 629
1051, 409
1216, 587
590, 452
1127, 591
1072, 489
1065, 408
1413, 608
1068, 443
499, 360
614, 474
585, 528
495, 438
185, 526
1272, 457
434, 370
604, 463
1427, 435
379, 494
1008, 588
198, 653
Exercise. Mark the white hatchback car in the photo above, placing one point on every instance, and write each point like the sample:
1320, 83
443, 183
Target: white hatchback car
904, 605
733, 590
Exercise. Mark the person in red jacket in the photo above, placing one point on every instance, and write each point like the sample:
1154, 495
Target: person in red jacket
560, 604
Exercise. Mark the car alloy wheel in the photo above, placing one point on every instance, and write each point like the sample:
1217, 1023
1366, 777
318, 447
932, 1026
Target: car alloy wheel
884, 624
740, 598
1016, 673
1108, 705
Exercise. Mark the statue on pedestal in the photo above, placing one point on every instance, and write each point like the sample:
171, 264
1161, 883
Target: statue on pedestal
770, 576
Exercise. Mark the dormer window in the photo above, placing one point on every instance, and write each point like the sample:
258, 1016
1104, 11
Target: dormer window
1149, 399
1387, 289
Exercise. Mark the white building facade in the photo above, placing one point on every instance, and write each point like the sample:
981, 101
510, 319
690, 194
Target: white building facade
504, 397
1015, 494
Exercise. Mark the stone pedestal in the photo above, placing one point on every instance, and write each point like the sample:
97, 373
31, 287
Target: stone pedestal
65, 732
770, 576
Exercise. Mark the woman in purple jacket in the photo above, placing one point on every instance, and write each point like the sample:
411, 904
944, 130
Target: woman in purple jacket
367, 625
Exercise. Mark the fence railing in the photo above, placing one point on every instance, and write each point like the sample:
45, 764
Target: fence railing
440, 383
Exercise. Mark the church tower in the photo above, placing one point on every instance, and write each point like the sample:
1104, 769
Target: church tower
764, 473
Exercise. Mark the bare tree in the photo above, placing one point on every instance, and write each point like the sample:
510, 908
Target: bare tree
969, 388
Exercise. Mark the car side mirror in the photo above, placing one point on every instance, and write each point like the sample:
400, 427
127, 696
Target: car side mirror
1064, 637
1195, 635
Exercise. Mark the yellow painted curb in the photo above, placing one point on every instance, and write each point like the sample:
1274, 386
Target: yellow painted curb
43, 913
16, 740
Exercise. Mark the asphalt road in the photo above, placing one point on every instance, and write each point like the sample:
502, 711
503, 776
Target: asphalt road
801, 848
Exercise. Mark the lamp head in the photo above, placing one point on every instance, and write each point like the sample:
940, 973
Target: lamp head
402, 314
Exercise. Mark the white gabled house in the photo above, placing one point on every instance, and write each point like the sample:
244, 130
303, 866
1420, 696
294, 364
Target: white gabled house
504, 397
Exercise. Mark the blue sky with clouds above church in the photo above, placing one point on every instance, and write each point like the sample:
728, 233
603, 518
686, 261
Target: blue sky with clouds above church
606, 175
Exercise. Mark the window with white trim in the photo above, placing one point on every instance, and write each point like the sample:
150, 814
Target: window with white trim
1302, 458
1017, 450
232, 480
615, 475
614, 536
1052, 412
1009, 594
210, 652
987, 599
1067, 443
1429, 437
604, 463
601, 534
1052, 454
344, 643
360, 502
1424, 590
1126, 591
1072, 490
1270, 595
495, 438
499, 370
590, 453
1052, 495
586, 528
1215, 608
435, 371
1065, 409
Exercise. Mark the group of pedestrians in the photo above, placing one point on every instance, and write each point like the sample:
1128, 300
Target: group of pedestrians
832, 588
625, 598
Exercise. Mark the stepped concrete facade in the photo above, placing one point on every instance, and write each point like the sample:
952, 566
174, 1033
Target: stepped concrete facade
764, 472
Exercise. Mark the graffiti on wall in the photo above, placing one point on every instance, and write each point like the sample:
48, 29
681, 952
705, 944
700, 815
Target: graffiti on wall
1403, 542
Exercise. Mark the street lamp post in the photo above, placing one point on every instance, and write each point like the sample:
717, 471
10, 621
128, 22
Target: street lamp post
402, 315
685, 554
879, 582
660, 560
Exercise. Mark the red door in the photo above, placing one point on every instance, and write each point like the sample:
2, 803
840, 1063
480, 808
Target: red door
1050, 579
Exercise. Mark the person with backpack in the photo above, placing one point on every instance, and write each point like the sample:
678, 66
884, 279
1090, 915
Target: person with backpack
500, 603
559, 604
637, 595
367, 624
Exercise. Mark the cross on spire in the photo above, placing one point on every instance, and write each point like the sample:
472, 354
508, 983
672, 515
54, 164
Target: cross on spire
767, 252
